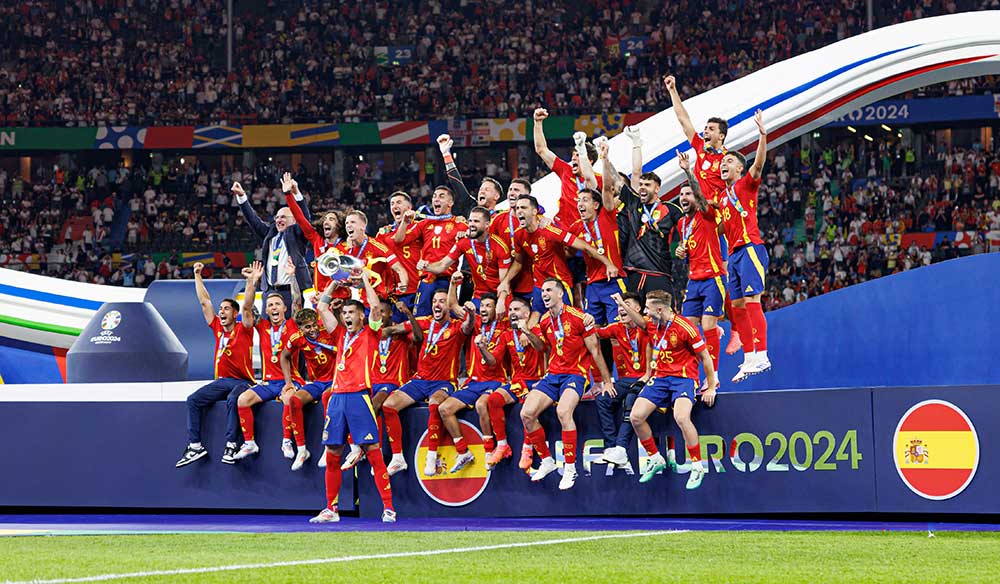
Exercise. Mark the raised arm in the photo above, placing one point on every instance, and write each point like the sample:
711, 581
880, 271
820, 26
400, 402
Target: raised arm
204, 298
586, 169
469, 322
259, 227
445, 144
611, 179
633, 133
296, 291
538, 133
326, 315
682, 115
404, 223
253, 276
453, 286
300, 217
633, 314
699, 197
373, 300
534, 340
758, 162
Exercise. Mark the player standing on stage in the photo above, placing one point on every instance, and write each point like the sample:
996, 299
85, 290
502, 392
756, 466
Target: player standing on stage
408, 254
436, 235
490, 192
630, 348
359, 245
523, 351
677, 347
574, 176
274, 334
485, 331
598, 226
569, 339
332, 230
504, 224
546, 246
350, 409
748, 259
483, 253
436, 377
699, 243
233, 366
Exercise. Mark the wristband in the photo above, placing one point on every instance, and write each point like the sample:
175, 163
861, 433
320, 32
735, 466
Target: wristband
241, 199
448, 158
325, 299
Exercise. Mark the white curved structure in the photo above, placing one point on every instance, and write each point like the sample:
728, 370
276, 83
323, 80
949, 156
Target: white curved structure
811, 90
797, 96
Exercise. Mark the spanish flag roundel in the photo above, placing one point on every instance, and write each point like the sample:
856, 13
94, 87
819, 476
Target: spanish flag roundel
463, 487
936, 449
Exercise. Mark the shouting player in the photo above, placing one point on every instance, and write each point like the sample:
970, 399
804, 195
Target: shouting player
569, 338
504, 224
332, 230
408, 254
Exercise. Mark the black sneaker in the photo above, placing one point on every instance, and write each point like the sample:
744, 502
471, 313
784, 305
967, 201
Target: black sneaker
191, 454
227, 455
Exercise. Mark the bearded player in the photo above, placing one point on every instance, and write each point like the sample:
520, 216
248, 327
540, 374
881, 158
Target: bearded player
332, 230
408, 254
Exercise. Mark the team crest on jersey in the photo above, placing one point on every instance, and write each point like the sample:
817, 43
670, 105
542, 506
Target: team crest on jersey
715, 165
541, 244
437, 230
566, 328
673, 339
446, 335
448, 228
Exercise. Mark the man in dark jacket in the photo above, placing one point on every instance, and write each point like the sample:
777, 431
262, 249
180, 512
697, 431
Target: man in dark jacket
281, 240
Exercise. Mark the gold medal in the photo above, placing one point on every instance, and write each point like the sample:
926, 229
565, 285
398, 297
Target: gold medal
482, 361
340, 367
382, 369
559, 351
274, 358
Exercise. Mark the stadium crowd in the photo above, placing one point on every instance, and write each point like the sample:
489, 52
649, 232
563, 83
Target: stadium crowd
162, 62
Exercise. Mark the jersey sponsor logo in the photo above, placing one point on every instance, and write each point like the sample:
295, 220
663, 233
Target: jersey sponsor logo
463, 487
111, 320
936, 450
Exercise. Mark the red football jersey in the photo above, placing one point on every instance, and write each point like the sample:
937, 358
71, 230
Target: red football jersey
504, 225
320, 354
355, 353
408, 253
601, 233
704, 253
675, 348
438, 355
739, 213
547, 249
706, 168
319, 244
478, 369
272, 339
392, 360
437, 236
629, 348
564, 335
233, 351
524, 362
570, 186
483, 259
378, 258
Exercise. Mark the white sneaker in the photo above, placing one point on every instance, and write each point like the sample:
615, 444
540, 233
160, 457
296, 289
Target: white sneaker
430, 467
748, 363
568, 478
327, 515
300, 458
388, 516
698, 471
462, 461
246, 450
288, 448
321, 463
353, 457
760, 364
615, 455
397, 464
547, 467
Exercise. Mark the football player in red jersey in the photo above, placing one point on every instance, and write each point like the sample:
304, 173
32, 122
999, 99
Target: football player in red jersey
373, 252
570, 338
748, 259
408, 254
677, 348
504, 224
233, 366
436, 235
709, 151
332, 232
436, 376
523, 351
546, 246
274, 333
317, 346
574, 176
483, 253
350, 408
699, 244
490, 191
598, 226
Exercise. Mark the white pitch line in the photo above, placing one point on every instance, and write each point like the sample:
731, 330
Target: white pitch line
106, 577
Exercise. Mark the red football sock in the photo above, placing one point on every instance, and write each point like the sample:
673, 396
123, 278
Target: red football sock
741, 324
394, 428
694, 452
758, 325
650, 445
433, 428
460, 446
286, 422
713, 340
498, 419
333, 476
381, 476
569, 446
729, 306
246, 423
537, 439
489, 444
298, 426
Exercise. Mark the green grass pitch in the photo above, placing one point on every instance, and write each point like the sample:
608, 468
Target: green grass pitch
696, 557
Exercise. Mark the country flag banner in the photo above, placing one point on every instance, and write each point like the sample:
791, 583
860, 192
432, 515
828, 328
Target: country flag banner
463, 487
936, 450
404, 132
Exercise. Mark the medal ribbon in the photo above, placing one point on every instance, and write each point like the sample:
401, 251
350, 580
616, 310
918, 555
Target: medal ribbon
634, 345
735, 201
432, 339
276, 340
662, 343
383, 352
348, 341
595, 236
559, 333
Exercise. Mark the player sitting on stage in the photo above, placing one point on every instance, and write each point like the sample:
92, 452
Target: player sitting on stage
569, 339
677, 347
524, 353
350, 409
